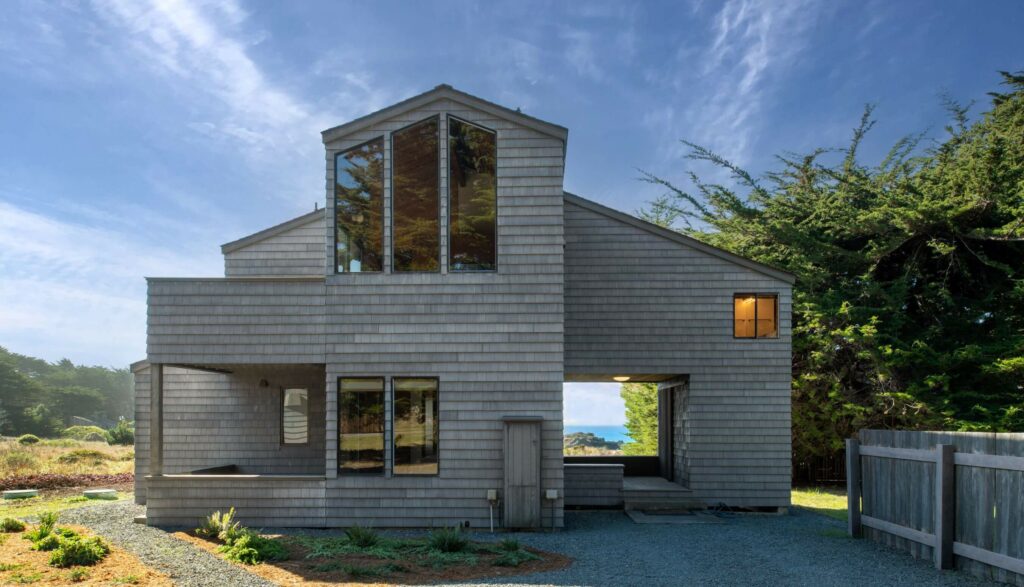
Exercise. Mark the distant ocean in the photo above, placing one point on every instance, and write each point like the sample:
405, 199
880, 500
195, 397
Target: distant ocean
609, 433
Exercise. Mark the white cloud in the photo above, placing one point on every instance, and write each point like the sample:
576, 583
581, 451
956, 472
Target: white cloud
77, 291
595, 404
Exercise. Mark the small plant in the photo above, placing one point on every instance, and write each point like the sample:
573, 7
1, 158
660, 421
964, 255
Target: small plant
126, 580
447, 540
440, 560
220, 525
362, 536
250, 548
514, 558
78, 575
4, 567
27, 439
47, 522
79, 552
25, 578
509, 545
11, 525
47, 543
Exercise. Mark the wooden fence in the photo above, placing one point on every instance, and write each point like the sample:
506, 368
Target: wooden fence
954, 497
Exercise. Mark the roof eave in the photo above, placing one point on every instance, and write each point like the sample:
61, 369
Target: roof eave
759, 267
272, 231
440, 92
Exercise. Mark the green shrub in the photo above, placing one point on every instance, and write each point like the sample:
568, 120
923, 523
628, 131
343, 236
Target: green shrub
362, 536
79, 552
47, 522
78, 575
17, 459
47, 543
447, 540
250, 548
220, 526
123, 433
11, 525
25, 578
66, 533
28, 439
86, 433
126, 580
80, 455
440, 560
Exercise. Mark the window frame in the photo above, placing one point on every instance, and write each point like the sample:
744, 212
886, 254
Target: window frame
390, 148
448, 127
284, 392
394, 444
384, 433
755, 295
385, 145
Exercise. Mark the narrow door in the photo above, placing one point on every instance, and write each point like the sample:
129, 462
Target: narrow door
522, 474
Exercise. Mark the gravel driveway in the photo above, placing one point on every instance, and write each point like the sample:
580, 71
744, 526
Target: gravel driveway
799, 549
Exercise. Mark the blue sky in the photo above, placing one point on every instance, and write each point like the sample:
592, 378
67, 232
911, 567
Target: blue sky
138, 136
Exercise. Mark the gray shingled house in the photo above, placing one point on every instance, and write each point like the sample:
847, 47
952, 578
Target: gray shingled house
396, 358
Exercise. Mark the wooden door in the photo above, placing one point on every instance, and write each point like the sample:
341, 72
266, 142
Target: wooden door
522, 474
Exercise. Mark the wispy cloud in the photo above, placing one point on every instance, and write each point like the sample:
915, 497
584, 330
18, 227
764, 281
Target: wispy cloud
580, 53
76, 290
753, 44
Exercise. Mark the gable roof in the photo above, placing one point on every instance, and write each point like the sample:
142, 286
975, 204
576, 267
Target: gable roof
439, 92
680, 238
272, 231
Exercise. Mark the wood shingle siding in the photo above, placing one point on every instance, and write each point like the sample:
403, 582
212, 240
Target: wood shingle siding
597, 485
297, 250
636, 302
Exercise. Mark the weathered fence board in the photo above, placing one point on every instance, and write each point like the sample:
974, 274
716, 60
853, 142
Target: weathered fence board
953, 497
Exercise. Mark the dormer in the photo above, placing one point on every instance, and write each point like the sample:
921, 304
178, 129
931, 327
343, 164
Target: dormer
423, 186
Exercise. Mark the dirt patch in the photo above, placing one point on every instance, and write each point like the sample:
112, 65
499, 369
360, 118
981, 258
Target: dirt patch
20, 564
299, 570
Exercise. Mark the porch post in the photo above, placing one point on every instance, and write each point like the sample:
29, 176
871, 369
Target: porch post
156, 420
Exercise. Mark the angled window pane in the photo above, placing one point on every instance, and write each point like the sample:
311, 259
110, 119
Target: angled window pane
473, 187
415, 174
361, 425
744, 307
416, 429
767, 326
295, 416
359, 208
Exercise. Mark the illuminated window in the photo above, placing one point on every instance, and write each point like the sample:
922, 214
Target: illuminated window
756, 316
295, 416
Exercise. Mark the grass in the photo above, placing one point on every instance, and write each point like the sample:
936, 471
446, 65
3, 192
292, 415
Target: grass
64, 456
828, 501
50, 500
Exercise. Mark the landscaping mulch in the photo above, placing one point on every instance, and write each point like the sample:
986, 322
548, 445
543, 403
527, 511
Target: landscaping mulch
20, 564
56, 480
299, 570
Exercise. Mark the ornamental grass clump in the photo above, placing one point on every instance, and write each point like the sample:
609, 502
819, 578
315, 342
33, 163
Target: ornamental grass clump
362, 536
11, 525
249, 548
447, 540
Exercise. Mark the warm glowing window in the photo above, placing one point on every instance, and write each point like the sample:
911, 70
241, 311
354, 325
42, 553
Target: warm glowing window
415, 204
295, 416
416, 430
756, 316
361, 424
473, 189
359, 208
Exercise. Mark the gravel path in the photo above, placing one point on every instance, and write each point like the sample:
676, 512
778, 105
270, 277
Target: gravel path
799, 549
185, 564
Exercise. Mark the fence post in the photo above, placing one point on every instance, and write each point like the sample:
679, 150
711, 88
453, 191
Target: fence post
853, 487
945, 506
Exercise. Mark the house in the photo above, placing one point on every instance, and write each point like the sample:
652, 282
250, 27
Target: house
396, 358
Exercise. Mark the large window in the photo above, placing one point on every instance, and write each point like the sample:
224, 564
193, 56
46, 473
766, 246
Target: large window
415, 204
361, 425
359, 208
472, 242
415, 424
295, 416
756, 316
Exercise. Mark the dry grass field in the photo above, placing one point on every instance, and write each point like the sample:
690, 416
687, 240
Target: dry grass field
64, 456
